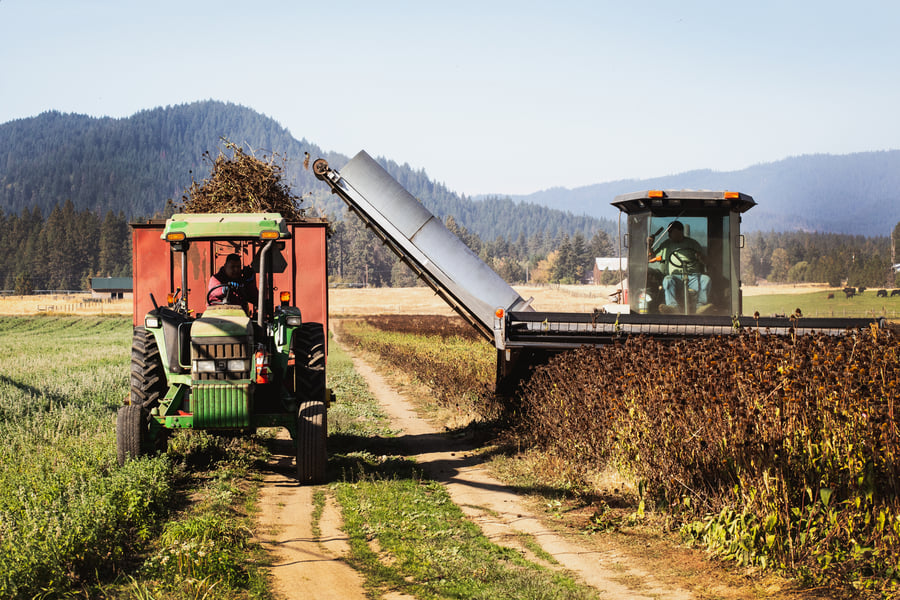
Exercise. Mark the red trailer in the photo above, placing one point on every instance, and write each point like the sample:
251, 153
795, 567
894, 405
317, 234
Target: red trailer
305, 276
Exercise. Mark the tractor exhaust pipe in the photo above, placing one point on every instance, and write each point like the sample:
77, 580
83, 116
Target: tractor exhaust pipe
263, 270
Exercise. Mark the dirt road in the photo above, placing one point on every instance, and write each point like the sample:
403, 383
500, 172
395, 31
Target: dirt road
309, 566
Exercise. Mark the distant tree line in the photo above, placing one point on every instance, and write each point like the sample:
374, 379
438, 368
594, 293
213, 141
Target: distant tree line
803, 257
357, 257
62, 251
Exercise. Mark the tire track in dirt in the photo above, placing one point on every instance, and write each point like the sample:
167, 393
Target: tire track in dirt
305, 566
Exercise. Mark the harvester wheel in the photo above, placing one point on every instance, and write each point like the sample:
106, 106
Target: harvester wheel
309, 389
132, 433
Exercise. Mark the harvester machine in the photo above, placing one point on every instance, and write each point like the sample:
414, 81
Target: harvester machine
676, 289
231, 356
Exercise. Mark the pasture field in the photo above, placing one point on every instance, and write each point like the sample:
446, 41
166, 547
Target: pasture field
818, 304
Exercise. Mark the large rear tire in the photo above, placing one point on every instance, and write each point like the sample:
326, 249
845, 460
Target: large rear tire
148, 382
132, 433
148, 378
312, 416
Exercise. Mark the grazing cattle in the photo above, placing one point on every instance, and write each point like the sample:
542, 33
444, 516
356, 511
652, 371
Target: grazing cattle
861, 289
895, 293
881, 293
849, 292
830, 296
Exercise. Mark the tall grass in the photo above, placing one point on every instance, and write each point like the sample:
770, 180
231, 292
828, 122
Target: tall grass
67, 511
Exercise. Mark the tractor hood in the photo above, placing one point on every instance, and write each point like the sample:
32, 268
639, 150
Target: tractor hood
225, 322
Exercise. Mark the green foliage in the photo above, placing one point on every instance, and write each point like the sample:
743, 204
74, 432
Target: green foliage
830, 258
67, 511
200, 546
63, 250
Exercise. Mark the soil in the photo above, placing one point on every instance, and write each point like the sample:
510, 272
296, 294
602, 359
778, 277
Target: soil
635, 565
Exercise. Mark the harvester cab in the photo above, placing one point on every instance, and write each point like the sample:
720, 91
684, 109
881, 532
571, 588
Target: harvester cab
233, 357
683, 251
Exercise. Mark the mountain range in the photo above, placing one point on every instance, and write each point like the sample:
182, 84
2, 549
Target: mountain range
853, 193
134, 165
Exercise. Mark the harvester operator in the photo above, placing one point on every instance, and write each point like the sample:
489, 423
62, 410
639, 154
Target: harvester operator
682, 261
231, 282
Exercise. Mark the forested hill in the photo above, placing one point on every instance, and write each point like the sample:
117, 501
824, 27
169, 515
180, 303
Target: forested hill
133, 165
856, 194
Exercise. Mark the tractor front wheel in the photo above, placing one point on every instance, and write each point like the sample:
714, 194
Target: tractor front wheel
312, 428
309, 389
132, 433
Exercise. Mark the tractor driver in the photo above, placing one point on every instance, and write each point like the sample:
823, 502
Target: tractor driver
240, 284
687, 265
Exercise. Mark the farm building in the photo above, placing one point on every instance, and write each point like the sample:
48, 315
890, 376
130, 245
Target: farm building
112, 288
607, 266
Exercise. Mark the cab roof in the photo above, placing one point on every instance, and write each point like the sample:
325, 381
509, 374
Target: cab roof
230, 226
693, 200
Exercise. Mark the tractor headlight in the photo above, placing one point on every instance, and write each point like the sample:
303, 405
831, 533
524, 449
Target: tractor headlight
205, 366
294, 320
151, 322
238, 365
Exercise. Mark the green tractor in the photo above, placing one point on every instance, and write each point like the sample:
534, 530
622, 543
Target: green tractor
238, 363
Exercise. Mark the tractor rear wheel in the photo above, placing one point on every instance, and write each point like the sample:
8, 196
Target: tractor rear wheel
132, 433
309, 389
148, 378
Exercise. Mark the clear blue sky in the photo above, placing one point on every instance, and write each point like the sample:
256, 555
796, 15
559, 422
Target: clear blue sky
505, 97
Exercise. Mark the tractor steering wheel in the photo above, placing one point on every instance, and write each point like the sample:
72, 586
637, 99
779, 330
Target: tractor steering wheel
226, 297
685, 260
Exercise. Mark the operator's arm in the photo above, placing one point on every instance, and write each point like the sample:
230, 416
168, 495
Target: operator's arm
217, 295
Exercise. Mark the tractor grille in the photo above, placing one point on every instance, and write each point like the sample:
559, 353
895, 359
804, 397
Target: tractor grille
225, 353
221, 405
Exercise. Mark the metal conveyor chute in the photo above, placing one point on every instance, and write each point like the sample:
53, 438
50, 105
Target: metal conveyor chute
422, 241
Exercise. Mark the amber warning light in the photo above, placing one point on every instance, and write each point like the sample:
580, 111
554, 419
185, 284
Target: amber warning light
285, 298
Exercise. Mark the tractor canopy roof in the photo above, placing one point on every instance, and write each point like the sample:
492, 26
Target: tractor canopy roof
692, 200
225, 226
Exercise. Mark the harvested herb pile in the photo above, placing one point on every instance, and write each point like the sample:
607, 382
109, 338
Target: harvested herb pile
242, 183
